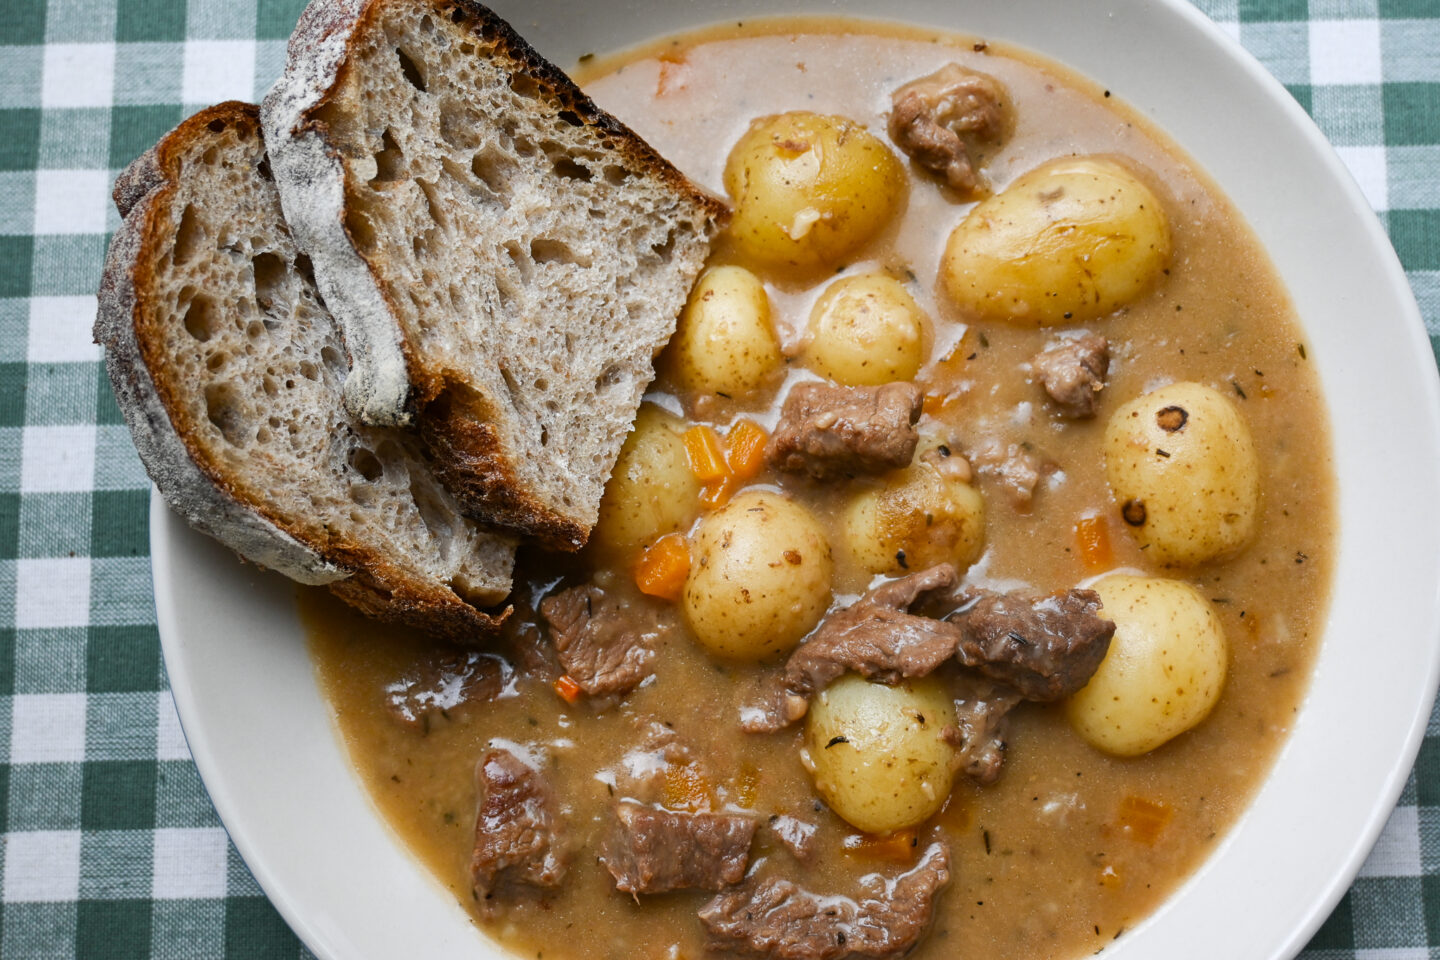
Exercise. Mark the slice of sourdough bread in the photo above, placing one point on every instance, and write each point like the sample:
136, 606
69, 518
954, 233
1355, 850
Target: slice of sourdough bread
506, 258
229, 371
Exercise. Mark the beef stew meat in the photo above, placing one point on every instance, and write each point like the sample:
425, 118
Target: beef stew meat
1042, 648
443, 681
1045, 648
939, 120
982, 713
651, 850
605, 644
837, 675
1072, 371
518, 840
777, 918
830, 431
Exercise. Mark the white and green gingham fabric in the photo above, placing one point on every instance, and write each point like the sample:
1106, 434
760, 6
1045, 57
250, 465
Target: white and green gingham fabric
109, 847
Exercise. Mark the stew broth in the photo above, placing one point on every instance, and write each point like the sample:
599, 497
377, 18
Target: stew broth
1070, 847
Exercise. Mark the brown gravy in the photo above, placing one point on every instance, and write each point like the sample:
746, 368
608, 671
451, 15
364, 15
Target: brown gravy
1071, 847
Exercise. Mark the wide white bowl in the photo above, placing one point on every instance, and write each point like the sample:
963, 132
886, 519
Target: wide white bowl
266, 747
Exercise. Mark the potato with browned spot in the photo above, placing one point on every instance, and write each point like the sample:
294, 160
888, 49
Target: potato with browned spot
1182, 465
1164, 670
809, 189
652, 490
725, 342
759, 577
879, 754
1070, 241
865, 330
930, 512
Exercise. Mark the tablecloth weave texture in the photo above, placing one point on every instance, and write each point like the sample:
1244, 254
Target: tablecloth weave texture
110, 848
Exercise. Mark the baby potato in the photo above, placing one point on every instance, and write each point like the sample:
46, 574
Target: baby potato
878, 753
759, 577
652, 491
726, 341
1182, 466
809, 189
924, 515
1069, 241
864, 331
1163, 672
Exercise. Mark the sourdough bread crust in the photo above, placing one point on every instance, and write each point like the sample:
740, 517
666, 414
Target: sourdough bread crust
198, 497
194, 486
471, 444
311, 178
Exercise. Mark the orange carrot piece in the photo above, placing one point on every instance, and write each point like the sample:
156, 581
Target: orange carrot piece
663, 567
1092, 537
1144, 819
686, 787
745, 451
568, 689
717, 493
706, 457
747, 785
897, 847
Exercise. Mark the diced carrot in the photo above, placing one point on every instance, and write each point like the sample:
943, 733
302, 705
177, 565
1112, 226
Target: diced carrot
663, 567
747, 785
897, 847
686, 788
934, 403
717, 493
1144, 819
745, 449
1092, 537
705, 455
568, 689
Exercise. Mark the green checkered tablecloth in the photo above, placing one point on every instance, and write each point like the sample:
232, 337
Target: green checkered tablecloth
110, 848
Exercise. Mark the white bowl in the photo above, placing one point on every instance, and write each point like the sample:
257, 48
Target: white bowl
267, 750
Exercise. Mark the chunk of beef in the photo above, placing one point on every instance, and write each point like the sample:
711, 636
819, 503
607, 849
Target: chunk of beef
1016, 469
427, 692
1043, 647
517, 832
1072, 371
982, 711
829, 431
605, 644
944, 119
649, 850
875, 637
778, 920
797, 835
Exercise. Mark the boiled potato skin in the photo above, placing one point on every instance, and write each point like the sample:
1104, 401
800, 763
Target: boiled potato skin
725, 341
878, 754
1182, 465
652, 490
759, 577
1164, 670
1068, 242
809, 189
864, 331
920, 512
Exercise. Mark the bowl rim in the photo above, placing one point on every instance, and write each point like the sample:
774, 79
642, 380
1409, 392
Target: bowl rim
173, 545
